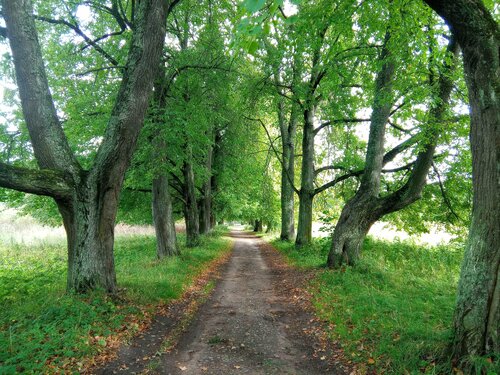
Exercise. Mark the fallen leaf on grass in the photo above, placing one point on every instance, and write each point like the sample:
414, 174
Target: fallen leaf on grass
371, 361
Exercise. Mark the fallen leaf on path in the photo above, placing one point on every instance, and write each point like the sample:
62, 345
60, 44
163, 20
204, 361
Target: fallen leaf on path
183, 368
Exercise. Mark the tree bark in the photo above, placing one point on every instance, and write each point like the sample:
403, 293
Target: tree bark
190, 206
89, 211
477, 314
166, 238
306, 193
287, 171
358, 214
206, 199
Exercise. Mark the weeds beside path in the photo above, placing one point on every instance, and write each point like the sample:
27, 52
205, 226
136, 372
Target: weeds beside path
392, 312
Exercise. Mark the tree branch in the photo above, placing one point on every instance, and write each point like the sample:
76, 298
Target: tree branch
78, 31
343, 120
329, 167
335, 181
446, 199
276, 152
390, 155
46, 182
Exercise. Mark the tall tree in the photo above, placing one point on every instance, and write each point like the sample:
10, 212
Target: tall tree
368, 205
477, 315
87, 199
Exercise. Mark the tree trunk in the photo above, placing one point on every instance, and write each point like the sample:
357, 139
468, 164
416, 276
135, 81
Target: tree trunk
206, 199
306, 194
190, 207
353, 226
257, 225
90, 238
355, 220
166, 238
477, 314
287, 173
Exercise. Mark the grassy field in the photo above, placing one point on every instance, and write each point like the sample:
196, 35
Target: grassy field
392, 312
42, 329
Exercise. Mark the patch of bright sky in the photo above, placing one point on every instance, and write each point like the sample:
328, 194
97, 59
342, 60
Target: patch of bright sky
290, 9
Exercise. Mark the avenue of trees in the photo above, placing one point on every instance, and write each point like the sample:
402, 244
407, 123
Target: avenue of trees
273, 113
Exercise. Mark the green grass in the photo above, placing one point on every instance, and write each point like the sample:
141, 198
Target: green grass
42, 329
393, 311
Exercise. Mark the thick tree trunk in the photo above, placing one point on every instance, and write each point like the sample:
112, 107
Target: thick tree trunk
477, 314
166, 238
190, 207
304, 228
306, 194
90, 238
354, 223
356, 217
257, 227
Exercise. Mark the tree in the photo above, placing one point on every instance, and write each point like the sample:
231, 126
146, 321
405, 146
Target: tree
87, 198
368, 205
477, 314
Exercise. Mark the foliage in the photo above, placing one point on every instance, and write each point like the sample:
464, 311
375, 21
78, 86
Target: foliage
42, 328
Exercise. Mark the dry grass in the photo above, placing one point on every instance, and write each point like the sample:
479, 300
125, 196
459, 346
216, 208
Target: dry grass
18, 229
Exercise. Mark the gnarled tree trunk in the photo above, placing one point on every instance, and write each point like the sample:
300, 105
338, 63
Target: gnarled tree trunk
477, 314
356, 217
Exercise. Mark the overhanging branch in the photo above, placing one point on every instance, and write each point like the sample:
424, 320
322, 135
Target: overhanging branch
338, 121
46, 182
276, 152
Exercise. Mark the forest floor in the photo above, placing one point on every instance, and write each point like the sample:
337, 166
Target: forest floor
258, 320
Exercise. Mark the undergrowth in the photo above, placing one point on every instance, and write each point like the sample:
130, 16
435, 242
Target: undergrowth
43, 329
393, 311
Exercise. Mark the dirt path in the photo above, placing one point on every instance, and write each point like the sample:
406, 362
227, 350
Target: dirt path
249, 325
243, 327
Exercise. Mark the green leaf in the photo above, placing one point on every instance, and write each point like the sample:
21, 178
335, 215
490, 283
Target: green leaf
254, 5
252, 47
292, 19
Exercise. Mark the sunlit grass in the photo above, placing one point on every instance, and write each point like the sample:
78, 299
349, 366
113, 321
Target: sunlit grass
40, 324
